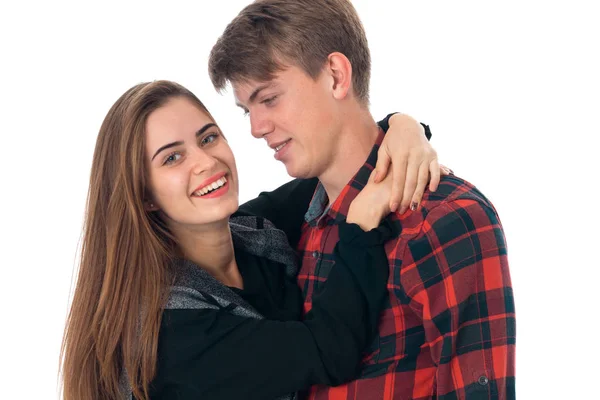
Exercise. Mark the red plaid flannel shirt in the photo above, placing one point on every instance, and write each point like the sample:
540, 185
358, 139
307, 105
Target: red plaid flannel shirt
448, 328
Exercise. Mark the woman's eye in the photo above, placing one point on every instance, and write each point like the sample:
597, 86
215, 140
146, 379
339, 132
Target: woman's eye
210, 138
171, 158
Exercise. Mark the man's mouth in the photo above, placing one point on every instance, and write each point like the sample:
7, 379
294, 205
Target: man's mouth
282, 145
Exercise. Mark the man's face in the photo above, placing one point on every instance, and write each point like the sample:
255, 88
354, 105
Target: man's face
297, 116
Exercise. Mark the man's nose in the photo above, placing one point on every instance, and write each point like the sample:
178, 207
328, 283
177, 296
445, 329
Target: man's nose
260, 125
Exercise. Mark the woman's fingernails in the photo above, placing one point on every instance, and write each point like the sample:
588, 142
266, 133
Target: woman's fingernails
413, 206
394, 207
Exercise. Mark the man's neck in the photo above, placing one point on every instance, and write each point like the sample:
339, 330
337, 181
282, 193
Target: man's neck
358, 136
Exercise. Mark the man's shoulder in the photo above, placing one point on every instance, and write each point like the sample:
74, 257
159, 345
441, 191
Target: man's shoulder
445, 207
451, 189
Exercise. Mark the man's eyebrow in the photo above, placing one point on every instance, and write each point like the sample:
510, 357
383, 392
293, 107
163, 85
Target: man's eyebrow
255, 93
179, 143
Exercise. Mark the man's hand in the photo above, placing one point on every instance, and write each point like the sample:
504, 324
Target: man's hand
414, 163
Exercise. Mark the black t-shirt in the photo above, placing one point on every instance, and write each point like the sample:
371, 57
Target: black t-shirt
267, 288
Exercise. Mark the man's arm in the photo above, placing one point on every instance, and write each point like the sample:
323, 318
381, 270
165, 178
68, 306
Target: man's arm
464, 294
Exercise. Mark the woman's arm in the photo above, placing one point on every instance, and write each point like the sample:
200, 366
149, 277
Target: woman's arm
385, 125
213, 354
406, 148
284, 207
414, 161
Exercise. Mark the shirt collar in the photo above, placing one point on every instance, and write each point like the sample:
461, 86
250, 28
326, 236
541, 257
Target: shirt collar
319, 213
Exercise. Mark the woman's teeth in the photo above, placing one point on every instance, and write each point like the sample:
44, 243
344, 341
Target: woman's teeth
210, 187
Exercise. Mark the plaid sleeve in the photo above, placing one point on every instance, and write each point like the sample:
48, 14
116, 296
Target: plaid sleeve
461, 287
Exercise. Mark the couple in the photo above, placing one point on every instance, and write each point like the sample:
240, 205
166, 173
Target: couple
319, 289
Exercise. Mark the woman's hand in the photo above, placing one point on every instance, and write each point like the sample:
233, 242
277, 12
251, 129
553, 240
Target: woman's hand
372, 203
414, 163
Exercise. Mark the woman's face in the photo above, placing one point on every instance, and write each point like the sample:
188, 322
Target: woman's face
191, 169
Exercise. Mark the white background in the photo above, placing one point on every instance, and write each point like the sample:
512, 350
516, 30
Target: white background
510, 90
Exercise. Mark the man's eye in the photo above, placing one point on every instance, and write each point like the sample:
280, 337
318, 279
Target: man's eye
246, 112
210, 138
171, 158
269, 101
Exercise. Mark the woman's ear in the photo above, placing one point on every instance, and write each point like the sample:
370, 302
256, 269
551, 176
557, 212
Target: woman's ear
150, 206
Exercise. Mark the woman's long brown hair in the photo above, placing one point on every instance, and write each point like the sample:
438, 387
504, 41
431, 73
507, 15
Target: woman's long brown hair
124, 271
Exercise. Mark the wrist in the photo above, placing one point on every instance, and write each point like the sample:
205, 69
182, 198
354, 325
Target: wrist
366, 219
395, 117
403, 121
364, 226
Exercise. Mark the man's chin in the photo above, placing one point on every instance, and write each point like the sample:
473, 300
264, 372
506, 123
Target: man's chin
298, 173
292, 170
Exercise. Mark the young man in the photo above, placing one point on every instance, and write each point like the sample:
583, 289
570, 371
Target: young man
301, 70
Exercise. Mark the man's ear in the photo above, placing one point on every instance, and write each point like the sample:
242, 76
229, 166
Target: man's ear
150, 206
340, 69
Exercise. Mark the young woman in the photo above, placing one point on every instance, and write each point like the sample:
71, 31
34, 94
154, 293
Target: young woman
177, 299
